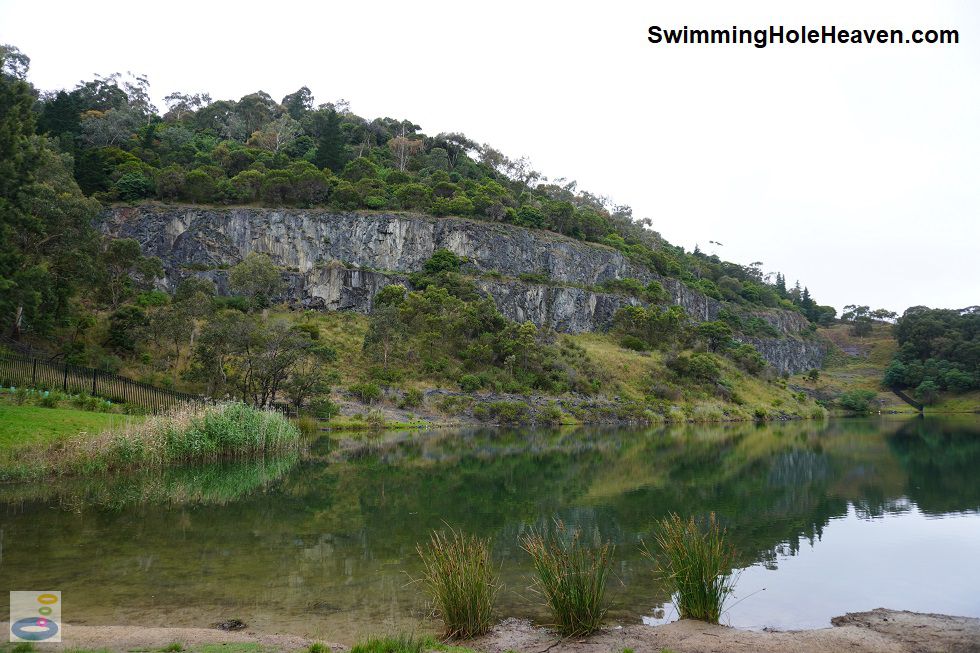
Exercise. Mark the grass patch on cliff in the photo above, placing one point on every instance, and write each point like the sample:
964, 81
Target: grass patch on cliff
645, 377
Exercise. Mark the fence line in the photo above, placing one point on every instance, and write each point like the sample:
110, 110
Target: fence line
18, 370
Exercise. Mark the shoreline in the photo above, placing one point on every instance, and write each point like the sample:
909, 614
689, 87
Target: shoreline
877, 631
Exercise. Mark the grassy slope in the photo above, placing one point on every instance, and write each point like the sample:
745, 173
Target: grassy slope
858, 363
31, 425
630, 374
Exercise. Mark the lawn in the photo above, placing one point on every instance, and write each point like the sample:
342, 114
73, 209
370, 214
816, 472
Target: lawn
28, 425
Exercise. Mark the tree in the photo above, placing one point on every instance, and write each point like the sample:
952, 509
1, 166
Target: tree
404, 148
255, 110
47, 242
329, 141
252, 358
13, 63
127, 270
716, 335
298, 103
455, 146
308, 379
276, 135
257, 278
183, 104
386, 333
105, 128
442, 260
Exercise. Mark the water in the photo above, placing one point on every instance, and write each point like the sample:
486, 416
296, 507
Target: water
828, 518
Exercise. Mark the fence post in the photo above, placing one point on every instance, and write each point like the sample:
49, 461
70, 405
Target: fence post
94, 372
34, 374
65, 385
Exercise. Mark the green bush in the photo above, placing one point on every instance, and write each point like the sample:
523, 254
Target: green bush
633, 343
858, 401
503, 412
748, 358
323, 408
48, 400
470, 383
413, 397
368, 393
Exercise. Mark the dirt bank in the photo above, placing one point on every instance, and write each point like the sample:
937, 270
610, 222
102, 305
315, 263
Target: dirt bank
877, 631
128, 638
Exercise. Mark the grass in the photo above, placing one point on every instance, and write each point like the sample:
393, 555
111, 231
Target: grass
571, 576
28, 425
401, 644
460, 578
192, 432
697, 564
393, 644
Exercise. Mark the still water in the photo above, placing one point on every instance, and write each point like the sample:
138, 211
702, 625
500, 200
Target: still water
827, 517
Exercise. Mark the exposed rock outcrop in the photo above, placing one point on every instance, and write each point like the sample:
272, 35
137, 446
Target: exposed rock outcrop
340, 260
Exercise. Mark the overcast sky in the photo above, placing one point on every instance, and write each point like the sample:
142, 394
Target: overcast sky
851, 168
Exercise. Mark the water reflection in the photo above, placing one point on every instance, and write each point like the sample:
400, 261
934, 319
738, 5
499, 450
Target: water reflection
325, 546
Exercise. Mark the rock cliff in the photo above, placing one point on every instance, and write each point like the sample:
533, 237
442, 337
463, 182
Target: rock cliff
339, 261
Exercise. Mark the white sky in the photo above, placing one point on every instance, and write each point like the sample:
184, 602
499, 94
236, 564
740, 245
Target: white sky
852, 168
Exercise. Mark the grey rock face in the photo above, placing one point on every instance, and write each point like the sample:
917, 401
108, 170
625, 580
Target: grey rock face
790, 354
339, 261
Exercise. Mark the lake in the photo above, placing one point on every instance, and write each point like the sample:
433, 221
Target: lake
828, 517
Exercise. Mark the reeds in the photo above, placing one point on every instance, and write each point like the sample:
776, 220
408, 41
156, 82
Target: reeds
696, 562
571, 576
190, 432
459, 576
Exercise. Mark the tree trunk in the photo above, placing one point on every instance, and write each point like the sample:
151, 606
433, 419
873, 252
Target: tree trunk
18, 320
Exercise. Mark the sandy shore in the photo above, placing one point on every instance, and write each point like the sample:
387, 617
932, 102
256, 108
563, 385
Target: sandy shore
877, 631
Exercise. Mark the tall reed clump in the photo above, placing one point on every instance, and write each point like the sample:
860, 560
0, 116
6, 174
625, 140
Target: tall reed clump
696, 562
190, 432
460, 577
571, 576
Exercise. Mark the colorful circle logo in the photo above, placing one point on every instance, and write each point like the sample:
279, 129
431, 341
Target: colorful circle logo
34, 629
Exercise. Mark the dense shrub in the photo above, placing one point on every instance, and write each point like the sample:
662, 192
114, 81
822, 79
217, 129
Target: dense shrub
858, 401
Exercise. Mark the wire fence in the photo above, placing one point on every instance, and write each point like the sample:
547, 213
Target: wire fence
45, 374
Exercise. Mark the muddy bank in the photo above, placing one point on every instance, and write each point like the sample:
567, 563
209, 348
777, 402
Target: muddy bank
877, 631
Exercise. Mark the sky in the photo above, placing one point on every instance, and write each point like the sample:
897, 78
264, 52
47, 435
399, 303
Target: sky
855, 169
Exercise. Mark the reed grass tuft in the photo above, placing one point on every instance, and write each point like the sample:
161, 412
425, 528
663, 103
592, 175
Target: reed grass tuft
571, 576
696, 561
459, 576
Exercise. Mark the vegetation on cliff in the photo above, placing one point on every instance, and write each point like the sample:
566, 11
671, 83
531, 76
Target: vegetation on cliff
111, 139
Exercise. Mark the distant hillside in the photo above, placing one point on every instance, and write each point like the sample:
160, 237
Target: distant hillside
293, 152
